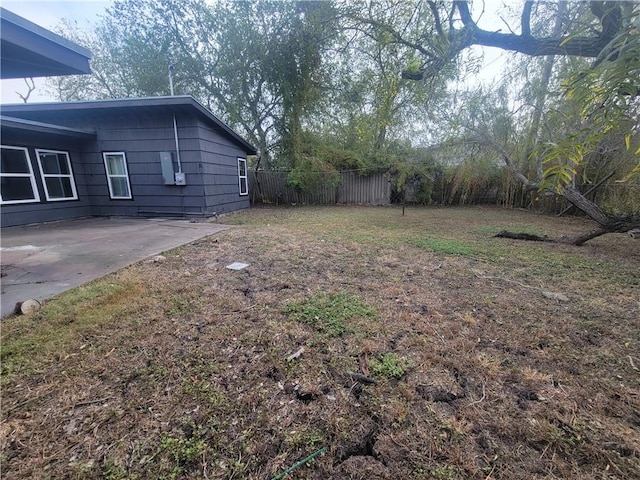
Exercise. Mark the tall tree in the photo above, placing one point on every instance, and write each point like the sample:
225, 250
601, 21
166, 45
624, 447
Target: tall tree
604, 31
258, 65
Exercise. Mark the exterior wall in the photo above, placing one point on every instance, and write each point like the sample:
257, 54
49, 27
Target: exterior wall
142, 138
208, 158
219, 166
47, 211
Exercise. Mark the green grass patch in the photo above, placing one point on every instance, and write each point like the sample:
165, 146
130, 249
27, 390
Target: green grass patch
58, 326
204, 390
444, 472
390, 365
329, 313
304, 438
449, 247
181, 453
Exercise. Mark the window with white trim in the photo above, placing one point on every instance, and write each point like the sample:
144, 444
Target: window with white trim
57, 176
115, 164
17, 181
242, 176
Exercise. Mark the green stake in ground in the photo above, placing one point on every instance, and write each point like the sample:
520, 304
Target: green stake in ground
297, 465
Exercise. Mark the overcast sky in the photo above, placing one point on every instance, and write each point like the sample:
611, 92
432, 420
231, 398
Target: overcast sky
48, 14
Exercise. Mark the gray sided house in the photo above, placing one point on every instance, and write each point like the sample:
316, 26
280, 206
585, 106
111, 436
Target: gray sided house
158, 156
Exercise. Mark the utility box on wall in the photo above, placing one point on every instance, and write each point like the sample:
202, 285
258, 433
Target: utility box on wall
180, 178
169, 175
166, 163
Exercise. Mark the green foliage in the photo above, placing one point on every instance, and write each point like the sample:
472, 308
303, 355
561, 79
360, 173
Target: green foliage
311, 174
390, 365
412, 65
181, 452
341, 155
294, 70
403, 173
462, 183
444, 473
561, 161
304, 438
620, 198
329, 313
606, 99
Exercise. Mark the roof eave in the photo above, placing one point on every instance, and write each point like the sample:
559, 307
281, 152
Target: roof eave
176, 101
19, 124
29, 50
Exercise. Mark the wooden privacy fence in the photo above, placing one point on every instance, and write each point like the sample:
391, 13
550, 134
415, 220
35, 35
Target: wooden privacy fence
271, 187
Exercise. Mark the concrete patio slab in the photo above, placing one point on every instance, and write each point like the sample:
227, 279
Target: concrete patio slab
40, 261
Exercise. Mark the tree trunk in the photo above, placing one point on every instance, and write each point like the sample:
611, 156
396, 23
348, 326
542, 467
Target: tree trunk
543, 90
608, 223
585, 237
587, 206
380, 138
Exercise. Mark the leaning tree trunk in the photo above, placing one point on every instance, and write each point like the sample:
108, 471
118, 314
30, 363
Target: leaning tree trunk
607, 223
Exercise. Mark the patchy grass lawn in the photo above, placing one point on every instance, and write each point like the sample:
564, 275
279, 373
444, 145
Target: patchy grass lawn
184, 369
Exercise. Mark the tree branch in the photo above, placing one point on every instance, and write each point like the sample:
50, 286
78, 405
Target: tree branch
436, 17
465, 14
525, 19
31, 86
608, 13
488, 143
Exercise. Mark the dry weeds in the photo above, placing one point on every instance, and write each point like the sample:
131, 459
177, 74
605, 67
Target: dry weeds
178, 369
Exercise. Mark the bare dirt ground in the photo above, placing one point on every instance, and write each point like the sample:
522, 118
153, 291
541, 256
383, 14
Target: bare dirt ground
492, 358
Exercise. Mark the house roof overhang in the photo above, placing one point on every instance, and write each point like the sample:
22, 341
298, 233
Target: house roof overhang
28, 50
11, 125
176, 104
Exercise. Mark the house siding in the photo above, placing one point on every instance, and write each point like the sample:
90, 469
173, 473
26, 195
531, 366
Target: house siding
44, 211
208, 157
220, 172
142, 139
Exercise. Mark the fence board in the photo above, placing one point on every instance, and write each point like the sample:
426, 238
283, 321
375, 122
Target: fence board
353, 189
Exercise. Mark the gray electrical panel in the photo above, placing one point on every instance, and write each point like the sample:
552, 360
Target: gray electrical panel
166, 162
169, 175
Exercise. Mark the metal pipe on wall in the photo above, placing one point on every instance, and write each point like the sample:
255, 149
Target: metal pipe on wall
175, 124
175, 133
